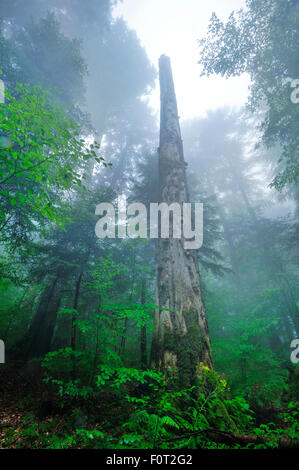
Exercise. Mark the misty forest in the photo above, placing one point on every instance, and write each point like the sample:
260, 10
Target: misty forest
135, 342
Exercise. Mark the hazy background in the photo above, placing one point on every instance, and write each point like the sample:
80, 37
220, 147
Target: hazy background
168, 27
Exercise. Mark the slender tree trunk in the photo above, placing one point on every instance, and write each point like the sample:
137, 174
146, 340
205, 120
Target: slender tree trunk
37, 341
75, 314
126, 320
123, 338
13, 315
181, 339
96, 352
143, 352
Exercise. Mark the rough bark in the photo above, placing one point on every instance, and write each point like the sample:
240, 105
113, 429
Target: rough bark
181, 338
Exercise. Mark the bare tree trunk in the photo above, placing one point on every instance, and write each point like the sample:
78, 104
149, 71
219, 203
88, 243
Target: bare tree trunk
37, 341
143, 352
126, 320
181, 338
14, 315
75, 314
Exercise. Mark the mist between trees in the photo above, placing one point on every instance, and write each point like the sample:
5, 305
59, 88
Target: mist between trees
165, 221
116, 340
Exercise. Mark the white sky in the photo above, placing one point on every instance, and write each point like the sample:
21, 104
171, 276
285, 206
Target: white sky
172, 27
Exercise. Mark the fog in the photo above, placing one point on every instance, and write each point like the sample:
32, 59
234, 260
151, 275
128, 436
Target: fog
90, 117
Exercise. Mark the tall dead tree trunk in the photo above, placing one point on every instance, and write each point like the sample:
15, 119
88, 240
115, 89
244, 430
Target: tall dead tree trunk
181, 338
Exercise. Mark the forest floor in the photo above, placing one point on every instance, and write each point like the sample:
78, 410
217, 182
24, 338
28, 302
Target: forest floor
26, 419
20, 398
31, 417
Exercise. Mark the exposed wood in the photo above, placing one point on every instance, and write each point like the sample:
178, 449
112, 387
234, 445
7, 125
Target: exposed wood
181, 338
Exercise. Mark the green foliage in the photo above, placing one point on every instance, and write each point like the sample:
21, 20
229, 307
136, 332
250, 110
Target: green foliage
241, 349
162, 413
60, 283
46, 155
263, 41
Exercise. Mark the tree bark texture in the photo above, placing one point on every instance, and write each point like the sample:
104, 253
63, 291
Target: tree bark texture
181, 338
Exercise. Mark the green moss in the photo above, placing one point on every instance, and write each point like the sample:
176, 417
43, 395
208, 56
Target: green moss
188, 349
191, 372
